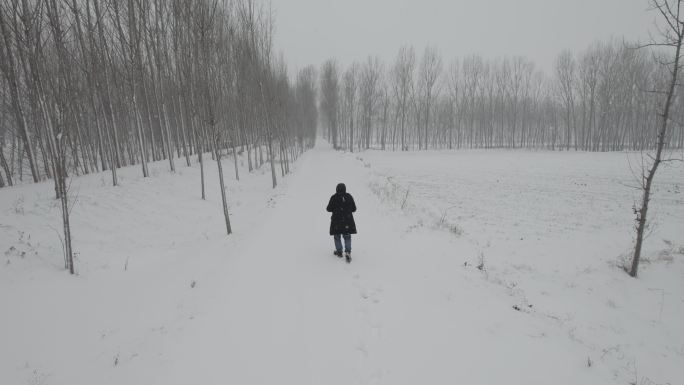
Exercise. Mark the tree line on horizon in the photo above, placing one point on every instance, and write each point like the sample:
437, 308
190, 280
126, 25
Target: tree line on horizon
604, 98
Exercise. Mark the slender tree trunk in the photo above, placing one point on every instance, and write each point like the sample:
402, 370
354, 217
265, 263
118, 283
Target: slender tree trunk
235, 158
165, 127
200, 149
57, 149
141, 137
5, 166
223, 188
183, 133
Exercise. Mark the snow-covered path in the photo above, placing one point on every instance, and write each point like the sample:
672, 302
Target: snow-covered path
286, 311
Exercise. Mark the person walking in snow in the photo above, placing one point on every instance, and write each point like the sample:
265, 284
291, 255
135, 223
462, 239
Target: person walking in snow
342, 224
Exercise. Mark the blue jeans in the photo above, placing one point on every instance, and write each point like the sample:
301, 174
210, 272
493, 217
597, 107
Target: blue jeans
347, 242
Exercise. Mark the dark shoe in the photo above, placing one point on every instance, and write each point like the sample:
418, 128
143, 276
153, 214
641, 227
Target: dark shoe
347, 256
338, 253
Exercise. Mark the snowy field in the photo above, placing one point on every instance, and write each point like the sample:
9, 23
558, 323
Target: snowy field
553, 229
162, 296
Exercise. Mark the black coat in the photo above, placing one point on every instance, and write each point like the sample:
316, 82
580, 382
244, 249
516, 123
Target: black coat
342, 206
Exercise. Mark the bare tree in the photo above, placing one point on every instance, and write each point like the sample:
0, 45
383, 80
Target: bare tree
565, 72
330, 96
402, 76
430, 71
671, 36
455, 88
3, 160
386, 104
350, 88
369, 94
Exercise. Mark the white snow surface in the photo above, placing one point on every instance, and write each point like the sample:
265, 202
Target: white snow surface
163, 296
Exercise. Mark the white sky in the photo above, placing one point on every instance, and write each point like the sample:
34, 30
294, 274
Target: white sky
310, 31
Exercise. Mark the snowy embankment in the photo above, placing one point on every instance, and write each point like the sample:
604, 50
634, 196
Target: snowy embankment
553, 229
164, 297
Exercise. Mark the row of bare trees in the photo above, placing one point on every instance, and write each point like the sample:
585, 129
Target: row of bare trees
94, 85
601, 99
129, 82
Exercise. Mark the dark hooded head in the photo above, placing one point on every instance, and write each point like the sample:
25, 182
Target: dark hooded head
341, 188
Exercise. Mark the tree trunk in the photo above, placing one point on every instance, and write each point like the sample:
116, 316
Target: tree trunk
223, 189
643, 210
141, 137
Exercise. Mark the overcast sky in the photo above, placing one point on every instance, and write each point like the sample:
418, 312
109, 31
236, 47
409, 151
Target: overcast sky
310, 31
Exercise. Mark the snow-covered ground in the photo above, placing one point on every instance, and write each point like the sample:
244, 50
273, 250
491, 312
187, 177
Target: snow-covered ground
163, 296
141, 247
553, 230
